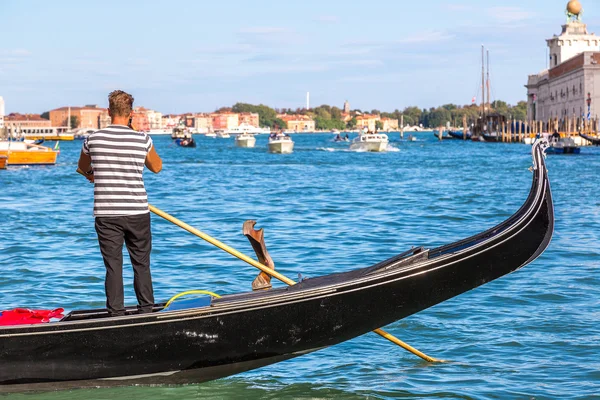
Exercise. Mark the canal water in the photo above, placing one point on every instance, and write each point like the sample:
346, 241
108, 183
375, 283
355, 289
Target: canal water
533, 334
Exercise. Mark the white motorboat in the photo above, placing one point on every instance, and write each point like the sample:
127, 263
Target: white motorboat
210, 134
245, 140
281, 143
222, 135
247, 128
375, 142
164, 131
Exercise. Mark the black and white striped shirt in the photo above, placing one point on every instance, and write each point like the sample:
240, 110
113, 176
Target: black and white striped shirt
118, 156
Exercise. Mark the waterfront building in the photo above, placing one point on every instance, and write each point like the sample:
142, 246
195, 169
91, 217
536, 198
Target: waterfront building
2, 111
87, 117
298, 123
570, 86
225, 121
389, 124
16, 121
140, 119
170, 121
249, 118
154, 119
202, 123
367, 121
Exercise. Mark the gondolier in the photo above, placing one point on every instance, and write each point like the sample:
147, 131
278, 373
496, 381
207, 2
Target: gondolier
113, 159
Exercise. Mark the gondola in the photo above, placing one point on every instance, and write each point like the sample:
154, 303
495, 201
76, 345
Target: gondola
240, 332
459, 135
594, 140
185, 142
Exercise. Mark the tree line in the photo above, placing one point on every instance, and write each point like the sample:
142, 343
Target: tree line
330, 117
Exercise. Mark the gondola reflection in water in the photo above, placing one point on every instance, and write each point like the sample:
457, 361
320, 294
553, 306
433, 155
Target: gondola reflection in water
240, 332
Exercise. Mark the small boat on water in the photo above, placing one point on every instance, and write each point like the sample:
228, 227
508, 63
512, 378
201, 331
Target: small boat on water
245, 140
3, 160
222, 135
179, 132
226, 335
210, 134
280, 143
459, 135
562, 145
185, 142
367, 141
21, 153
247, 128
593, 140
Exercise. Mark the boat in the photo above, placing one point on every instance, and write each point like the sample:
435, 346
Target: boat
280, 143
159, 131
3, 161
367, 141
562, 145
340, 138
211, 134
218, 337
459, 135
221, 134
593, 140
245, 140
246, 128
21, 153
45, 134
179, 132
185, 142
441, 136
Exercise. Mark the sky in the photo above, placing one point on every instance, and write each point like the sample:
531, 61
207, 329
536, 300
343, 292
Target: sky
181, 56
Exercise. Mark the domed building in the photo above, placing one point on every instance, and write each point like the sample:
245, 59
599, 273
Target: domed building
570, 87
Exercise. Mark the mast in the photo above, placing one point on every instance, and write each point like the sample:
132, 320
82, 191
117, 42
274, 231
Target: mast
482, 82
488, 81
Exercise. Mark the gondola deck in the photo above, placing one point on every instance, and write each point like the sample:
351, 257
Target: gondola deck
243, 331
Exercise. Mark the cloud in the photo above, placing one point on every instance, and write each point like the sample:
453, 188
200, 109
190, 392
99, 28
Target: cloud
509, 14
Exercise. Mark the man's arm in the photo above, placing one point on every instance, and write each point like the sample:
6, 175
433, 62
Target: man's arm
153, 161
85, 165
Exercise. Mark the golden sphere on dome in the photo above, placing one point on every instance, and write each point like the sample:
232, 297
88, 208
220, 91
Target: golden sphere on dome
574, 7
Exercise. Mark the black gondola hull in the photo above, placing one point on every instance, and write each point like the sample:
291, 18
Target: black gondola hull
246, 331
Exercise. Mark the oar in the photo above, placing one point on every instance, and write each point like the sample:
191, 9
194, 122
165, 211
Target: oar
273, 273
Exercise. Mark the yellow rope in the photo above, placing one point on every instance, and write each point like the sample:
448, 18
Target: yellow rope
172, 299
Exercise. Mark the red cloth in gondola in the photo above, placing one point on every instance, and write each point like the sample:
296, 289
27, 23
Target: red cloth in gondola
23, 316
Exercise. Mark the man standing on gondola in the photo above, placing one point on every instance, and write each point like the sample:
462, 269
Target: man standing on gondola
113, 159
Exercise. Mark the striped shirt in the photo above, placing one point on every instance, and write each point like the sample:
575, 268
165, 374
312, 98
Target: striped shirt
118, 156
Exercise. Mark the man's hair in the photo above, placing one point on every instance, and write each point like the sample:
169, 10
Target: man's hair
120, 103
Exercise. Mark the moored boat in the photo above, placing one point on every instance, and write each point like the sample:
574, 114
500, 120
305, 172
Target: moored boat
562, 145
460, 135
593, 140
281, 143
21, 153
374, 142
222, 134
239, 332
245, 140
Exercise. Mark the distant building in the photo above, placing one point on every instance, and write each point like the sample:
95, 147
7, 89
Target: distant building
249, 118
367, 121
20, 121
170, 121
224, 121
389, 124
2, 111
203, 123
570, 87
87, 117
346, 107
140, 120
298, 123
154, 119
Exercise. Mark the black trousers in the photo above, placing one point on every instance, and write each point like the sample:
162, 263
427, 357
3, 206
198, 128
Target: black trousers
134, 230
